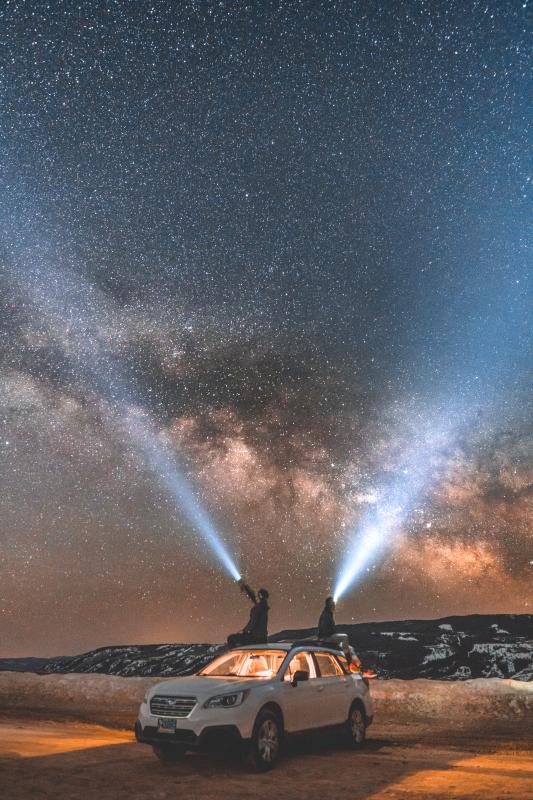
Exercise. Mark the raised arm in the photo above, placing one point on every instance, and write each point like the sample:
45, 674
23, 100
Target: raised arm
243, 586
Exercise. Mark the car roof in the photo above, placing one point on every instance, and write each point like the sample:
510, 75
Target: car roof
274, 646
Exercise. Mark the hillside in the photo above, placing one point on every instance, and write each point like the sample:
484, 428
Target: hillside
451, 648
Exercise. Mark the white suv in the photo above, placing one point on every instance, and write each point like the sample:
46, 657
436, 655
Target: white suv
256, 696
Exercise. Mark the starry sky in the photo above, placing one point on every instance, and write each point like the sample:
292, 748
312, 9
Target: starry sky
294, 236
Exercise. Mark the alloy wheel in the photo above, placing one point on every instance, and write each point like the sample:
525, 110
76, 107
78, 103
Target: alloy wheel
357, 725
268, 741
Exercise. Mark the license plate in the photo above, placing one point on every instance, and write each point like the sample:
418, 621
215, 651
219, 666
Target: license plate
166, 725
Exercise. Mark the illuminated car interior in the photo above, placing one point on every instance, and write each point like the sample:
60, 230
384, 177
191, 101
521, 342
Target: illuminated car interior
246, 664
301, 662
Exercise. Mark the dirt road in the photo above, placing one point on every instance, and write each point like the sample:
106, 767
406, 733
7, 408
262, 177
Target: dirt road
70, 760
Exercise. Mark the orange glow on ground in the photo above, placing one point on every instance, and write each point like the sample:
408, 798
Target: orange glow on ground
56, 737
489, 775
56, 760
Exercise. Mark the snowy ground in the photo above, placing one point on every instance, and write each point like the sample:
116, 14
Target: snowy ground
108, 698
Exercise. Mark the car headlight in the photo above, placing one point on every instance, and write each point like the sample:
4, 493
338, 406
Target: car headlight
226, 700
146, 697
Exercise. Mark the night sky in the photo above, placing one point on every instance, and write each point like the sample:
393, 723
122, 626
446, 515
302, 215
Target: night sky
292, 239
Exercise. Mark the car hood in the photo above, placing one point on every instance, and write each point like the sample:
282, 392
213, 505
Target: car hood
200, 686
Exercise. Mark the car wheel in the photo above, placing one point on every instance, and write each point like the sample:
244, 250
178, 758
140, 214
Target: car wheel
356, 726
169, 753
265, 746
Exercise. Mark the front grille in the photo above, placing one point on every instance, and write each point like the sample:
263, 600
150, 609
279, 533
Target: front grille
167, 705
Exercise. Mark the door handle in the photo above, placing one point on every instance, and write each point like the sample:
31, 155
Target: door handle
320, 688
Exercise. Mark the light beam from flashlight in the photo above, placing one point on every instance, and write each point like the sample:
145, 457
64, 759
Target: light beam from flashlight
73, 313
161, 460
365, 546
420, 467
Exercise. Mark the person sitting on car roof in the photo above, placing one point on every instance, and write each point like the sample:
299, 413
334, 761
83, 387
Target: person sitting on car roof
327, 629
256, 630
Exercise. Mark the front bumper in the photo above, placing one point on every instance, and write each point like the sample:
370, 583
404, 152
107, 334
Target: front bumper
211, 737
190, 730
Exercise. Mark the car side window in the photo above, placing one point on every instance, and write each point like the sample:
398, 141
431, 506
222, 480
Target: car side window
301, 661
328, 666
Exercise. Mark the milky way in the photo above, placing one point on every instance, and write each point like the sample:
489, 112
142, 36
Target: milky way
303, 229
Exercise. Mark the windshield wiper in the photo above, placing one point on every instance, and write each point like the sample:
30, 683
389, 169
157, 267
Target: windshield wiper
232, 675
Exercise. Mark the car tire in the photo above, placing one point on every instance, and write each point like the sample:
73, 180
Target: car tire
265, 745
169, 753
356, 726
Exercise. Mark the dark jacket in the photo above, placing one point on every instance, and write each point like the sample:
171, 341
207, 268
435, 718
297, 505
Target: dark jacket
326, 624
257, 627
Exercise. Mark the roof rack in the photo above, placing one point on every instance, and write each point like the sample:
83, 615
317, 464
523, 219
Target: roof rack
311, 640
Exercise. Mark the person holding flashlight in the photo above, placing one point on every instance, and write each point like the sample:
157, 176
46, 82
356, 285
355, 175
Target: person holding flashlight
327, 629
256, 629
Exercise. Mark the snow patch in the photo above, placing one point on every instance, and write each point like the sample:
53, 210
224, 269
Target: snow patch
437, 652
109, 698
497, 629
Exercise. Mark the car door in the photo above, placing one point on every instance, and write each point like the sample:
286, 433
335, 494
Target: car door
299, 702
333, 687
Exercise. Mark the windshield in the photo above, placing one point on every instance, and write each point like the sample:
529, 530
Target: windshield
246, 664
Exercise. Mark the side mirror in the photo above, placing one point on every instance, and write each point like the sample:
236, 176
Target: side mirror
299, 675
